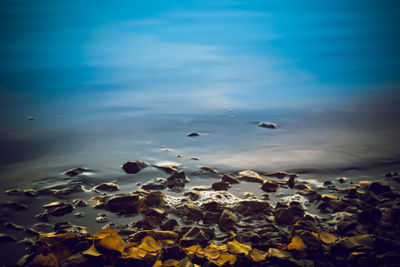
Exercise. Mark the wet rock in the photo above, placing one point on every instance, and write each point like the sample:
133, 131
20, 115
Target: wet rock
30, 193
158, 235
168, 168
43, 217
189, 209
13, 192
149, 223
110, 186
290, 214
193, 134
227, 178
154, 199
253, 206
30, 231
102, 218
62, 227
341, 179
281, 258
177, 181
123, 203
290, 182
79, 203
227, 221
302, 187
73, 187
133, 167
312, 195
13, 226
193, 195
170, 225
16, 206
195, 236
343, 222
210, 217
58, 208
208, 169
269, 125
173, 251
78, 260
201, 188
349, 244
155, 184
219, 186
122, 229
379, 187
250, 176
370, 216
156, 212
279, 175
269, 186
327, 183
76, 171
79, 214
6, 238
352, 192
27, 242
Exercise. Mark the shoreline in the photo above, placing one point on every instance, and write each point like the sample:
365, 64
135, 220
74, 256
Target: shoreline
294, 224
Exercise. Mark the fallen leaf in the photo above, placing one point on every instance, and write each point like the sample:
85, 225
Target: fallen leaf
327, 238
237, 248
92, 251
158, 264
211, 252
258, 255
109, 239
296, 243
150, 244
171, 262
224, 258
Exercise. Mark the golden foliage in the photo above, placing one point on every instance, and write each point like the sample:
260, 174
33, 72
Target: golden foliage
327, 238
296, 243
258, 255
238, 248
92, 251
109, 239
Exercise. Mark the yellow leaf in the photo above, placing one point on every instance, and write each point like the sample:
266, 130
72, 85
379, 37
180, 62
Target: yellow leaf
296, 244
192, 250
158, 264
92, 251
327, 238
224, 258
53, 238
141, 206
211, 252
49, 260
109, 239
134, 252
258, 255
171, 262
104, 233
150, 244
237, 248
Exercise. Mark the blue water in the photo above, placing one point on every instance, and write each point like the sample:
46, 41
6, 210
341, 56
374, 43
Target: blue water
110, 82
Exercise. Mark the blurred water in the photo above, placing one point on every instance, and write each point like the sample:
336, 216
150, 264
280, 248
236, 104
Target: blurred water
110, 82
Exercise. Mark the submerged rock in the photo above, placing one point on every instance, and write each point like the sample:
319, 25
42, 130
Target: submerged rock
110, 186
13, 226
194, 236
192, 134
267, 125
133, 167
279, 175
168, 168
290, 214
155, 184
79, 203
13, 191
58, 208
193, 195
76, 171
30, 193
102, 218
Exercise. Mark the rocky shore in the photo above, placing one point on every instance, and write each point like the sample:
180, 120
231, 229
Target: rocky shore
354, 224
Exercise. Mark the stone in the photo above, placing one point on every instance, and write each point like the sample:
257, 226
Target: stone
219, 186
79, 203
168, 168
379, 187
149, 223
279, 175
76, 171
177, 181
123, 203
156, 212
370, 216
16, 206
341, 179
133, 167
269, 186
210, 217
73, 187
253, 206
290, 214
193, 195
79, 214
192, 134
110, 186
189, 209
208, 169
194, 236
169, 225
227, 178
201, 188
13, 226
58, 208
102, 218
290, 182
250, 176
154, 199
30, 193
155, 184
327, 182
269, 125
227, 221
12, 192
7, 238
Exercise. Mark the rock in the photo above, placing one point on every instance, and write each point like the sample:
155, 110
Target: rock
341, 179
290, 182
154, 199
290, 214
6, 238
30, 231
42, 227
253, 206
220, 186
379, 187
133, 167
302, 187
195, 236
168, 168
370, 216
148, 223
73, 187
63, 227
213, 206
158, 235
177, 181
78, 260
267, 125
227, 221
12, 192
193, 195
210, 217
227, 178
13, 226
102, 218
30, 193
79, 214
269, 186
111, 186
283, 258
279, 175
391, 174
208, 169
79, 203
123, 203
172, 251
327, 183
156, 212
16, 206
201, 188
27, 242
155, 184
169, 225
58, 208
193, 134
188, 209
250, 176
76, 171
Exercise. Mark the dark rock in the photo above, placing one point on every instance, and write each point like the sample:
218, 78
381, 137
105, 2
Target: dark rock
290, 182
227, 178
173, 251
156, 212
62, 227
13, 226
193, 134
267, 125
189, 209
79, 260
279, 175
58, 208
168, 168
148, 223
73, 187
111, 186
227, 221
155, 184
312, 195
290, 214
134, 166
253, 206
169, 225
154, 199
6, 238
212, 206
13, 192
220, 186
43, 217
30, 193
379, 187
102, 218
195, 236
76, 171
79, 203
208, 169
210, 217
269, 186
341, 179
43, 227
177, 181
123, 203
193, 195
327, 183
391, 174
30, 231
16, 206
370, 216
79, 214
